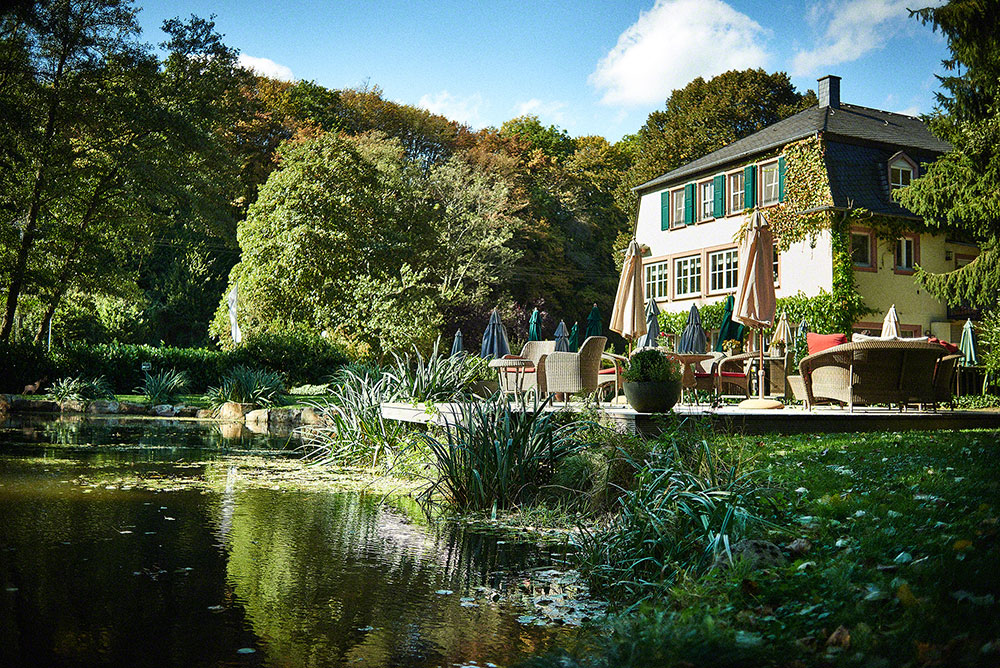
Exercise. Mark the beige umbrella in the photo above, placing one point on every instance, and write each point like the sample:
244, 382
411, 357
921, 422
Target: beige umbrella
890, 326
755, 300
628, 317
782, 332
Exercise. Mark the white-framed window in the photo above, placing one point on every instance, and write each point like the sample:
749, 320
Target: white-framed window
657, 280
677, 208
736, 203
861, 249
706, 192
905, 254
900, 174
687, 276
723, 270
769, 183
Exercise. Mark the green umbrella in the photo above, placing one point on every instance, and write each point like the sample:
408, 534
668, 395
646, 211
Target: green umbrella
594, 325
574, 337
729, 328
967, 346
535, 326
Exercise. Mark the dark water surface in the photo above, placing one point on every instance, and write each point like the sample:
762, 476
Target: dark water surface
94, 574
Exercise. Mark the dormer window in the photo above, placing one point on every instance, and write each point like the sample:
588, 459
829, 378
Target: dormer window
901, 171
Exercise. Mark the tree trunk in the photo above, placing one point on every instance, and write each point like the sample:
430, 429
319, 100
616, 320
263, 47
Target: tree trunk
67, 270
31, 222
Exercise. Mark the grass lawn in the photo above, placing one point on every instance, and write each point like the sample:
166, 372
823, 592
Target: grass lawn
903, 569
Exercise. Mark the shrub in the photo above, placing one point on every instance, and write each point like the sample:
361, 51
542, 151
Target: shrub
685, 509
494, 456
244, 385
163, 387
301, 356
21, 364
436, 378
81, 389
355, 431
652, 366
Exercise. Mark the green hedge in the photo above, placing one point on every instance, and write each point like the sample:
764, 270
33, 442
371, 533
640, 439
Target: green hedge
819, 312
301, 358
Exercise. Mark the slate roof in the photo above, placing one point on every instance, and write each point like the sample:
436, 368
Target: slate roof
871, 127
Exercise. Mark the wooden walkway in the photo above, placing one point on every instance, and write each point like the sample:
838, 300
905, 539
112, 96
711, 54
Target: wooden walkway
731, 419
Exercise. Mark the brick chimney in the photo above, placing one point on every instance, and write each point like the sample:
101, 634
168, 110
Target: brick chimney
829, 91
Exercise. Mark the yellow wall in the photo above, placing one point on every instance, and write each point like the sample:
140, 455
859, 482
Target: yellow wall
914, 305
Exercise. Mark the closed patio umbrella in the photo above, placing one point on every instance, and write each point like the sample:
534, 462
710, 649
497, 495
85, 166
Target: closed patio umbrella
756, 303
782, 332
967, 346
890, 326
495, 338
562, 338
693, 339
574, 337
628, 316
729, 329
594, 325
652, 335
535, 326
457, 347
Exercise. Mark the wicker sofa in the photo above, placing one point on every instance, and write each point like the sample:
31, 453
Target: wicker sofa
870, 372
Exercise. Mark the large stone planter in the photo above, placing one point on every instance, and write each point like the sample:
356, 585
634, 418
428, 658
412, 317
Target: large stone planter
652, 397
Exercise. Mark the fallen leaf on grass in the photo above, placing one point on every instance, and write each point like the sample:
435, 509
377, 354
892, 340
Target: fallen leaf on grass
905, 596
839, 638
962, 545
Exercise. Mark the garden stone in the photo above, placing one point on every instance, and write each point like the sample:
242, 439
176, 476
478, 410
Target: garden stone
163, 410
204, 414
758, 553
310, 416
73, 406
103, 407
4, 405
130, 408
285, 416
234, 411
259, 416
185, 411
35, 405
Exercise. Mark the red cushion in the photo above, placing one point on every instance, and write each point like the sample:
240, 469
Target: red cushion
520, 369
702, 374
607, 371
950, 347
819, 342
733, 374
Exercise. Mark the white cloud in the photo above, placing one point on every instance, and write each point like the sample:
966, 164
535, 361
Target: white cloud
674, 42
266, 67
547, 111
851, 29
462, 109
912, 110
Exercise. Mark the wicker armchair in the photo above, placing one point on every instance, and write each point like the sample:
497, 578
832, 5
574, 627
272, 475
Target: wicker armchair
572, 373
871, 372
534, 351
944, 380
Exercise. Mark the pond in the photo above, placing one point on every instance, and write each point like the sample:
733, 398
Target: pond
144, 543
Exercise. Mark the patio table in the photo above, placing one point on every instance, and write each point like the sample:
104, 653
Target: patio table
517, 364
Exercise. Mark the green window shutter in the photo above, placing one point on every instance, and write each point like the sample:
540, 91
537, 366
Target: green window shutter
749, 186
689, 204
781, 179
719, 193
665, 210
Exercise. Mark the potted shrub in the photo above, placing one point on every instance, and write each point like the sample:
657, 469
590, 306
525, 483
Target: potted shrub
652, 382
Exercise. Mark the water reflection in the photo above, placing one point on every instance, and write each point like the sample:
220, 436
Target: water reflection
138, 432
136, 577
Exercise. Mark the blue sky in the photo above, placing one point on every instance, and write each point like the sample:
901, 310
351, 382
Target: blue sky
588, 66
